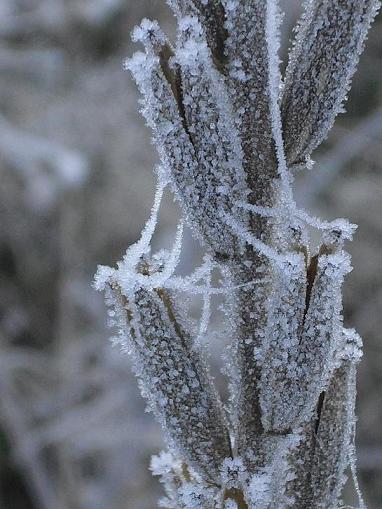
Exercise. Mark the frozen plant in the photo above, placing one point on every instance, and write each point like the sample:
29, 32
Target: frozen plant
230, 132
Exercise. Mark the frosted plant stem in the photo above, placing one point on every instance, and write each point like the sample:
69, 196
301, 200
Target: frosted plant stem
228, 132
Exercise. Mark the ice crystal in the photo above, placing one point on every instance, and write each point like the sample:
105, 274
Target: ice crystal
229, 131
259, 493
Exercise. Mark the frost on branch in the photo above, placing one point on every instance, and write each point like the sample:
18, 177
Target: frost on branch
253, 77
228, 132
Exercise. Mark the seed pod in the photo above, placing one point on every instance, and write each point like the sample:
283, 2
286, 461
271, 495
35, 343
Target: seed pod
173, 377
279, 375
185, 105
334, 434
329, 41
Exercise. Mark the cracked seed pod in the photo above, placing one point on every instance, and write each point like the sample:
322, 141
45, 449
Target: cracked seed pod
173, 376
333, 439
329, 41
192, 128
322, 331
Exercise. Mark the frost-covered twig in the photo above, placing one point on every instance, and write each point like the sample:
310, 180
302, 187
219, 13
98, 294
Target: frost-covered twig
229, 131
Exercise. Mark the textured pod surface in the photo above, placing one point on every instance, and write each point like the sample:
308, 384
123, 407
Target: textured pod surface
220, 179
187, 109
329, 40
322, 332
211, 16
248, 323
280, 372
333, 438
251, 48
174, 379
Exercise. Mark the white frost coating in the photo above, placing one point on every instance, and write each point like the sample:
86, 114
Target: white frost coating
280, 371
349, 347
102, 277
145, 33
170, 260
129, 276
142, 247
169, 470
353, 468
196, 496
343, 226
164, 463
195, 284
230, 504
273, 21
233, 473
246, 236
259, 492
206, 310
225, 144
337, 29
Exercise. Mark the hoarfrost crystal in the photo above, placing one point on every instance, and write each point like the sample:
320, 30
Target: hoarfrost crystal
229, 130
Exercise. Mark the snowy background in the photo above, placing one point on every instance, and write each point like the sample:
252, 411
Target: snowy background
76, 187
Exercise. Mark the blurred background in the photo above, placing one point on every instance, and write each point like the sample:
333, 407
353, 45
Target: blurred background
76, 187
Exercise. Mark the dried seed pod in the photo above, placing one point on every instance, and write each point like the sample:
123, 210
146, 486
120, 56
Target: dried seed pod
329, 41
211, 16
251, 48
322, 331
220, 180
173, 376
280, 372
193, 129
335, 426
334, 434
